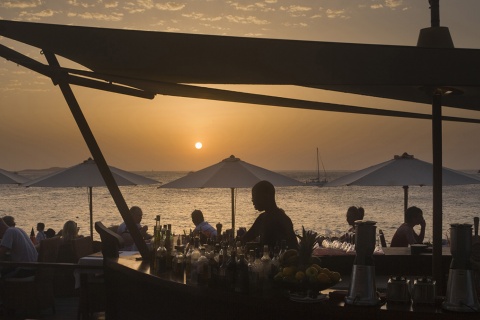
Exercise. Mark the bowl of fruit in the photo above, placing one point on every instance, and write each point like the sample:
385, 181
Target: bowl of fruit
302, 273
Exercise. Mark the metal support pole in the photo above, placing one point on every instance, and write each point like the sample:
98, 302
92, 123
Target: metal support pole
437, 190
60, 78
405, 202
233, 213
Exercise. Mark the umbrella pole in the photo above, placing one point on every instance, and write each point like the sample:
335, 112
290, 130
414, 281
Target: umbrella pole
91, 210
233, 212
437, 190
405, 202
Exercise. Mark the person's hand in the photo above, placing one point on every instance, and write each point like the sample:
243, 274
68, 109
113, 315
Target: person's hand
422, 223
144, 228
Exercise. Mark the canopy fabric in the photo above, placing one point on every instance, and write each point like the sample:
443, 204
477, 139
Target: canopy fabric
231, 173
393, 72
86, 174
7, 177
402, 170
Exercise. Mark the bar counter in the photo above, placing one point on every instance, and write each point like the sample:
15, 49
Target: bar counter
134, 293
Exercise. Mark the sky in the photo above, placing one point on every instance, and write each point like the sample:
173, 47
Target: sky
37, 129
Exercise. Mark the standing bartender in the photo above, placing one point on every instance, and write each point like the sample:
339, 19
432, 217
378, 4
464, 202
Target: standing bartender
272, 225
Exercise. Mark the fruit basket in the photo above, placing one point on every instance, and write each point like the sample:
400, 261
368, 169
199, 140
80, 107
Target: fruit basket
300, 274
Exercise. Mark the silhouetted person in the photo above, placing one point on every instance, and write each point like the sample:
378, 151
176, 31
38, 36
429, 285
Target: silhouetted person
272, 225
201, 226
40, 232
405, 235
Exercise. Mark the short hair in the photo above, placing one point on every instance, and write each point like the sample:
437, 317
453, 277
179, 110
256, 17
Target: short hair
136, 210
197, 216
412, 213
9, 220
50, 233
264, 187
41, 225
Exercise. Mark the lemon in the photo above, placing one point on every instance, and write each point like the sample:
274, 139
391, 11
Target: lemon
300, 275
289, 271
323, 278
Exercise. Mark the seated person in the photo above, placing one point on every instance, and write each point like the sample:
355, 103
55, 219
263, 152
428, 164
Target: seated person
68, 233
50, 233
353, 214
122, 230
405, 234
40, 232
202, 227
17, 242
272, 225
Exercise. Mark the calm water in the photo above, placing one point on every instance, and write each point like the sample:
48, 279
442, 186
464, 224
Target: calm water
313, 207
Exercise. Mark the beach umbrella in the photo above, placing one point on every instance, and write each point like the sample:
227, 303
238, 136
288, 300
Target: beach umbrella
404, 170
86, 174
7, 177
231, 173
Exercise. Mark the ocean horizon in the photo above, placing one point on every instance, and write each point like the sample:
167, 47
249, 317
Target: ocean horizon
321, 209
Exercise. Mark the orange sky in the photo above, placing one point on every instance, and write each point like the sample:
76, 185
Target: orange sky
38, 130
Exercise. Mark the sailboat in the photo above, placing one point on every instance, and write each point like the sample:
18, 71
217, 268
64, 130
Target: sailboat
317, 181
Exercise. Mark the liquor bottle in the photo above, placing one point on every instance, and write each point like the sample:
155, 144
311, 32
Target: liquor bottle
32, 237
214, 266
178, 263
253, 274
168, 247
266, 262
241, 276
203, 269
275, 261
194, 261
267, 267
230, 272
161, 258
222, 271
188, 259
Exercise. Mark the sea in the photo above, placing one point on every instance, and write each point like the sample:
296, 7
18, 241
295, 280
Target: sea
321, 209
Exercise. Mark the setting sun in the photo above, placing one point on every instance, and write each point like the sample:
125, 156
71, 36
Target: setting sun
198, 145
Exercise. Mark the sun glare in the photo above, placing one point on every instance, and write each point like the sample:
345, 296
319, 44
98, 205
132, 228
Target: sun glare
198, 145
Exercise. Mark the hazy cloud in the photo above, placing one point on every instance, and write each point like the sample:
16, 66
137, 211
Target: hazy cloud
35, 16
97, 16
108, 5
332, 14
20, 4
84, 3
392, 4
246, 20
200, 16
296, 11
170, 6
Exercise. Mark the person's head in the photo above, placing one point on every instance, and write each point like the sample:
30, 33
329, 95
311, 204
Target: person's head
3, 227
136, 213
69, 230
354, 214
197, 217
263, 195
50, 233
413, 216
40, 226
9, 220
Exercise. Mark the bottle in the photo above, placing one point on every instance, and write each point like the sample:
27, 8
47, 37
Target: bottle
267, 267
203, 269
222, 272
32, 237
161, 258
188, 259
194, 261
168, 247
230, 272
178, 263
253, 274
258, 270
241, 275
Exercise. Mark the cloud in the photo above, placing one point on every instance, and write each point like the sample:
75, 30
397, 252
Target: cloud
113, 4
170, 6
83, 4
391, 4
332, 14
246, 20
200, 16
35, 16
97, 16
20, 4
296, 11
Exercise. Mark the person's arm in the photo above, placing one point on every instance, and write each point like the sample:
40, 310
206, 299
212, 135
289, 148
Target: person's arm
3, 252
253, 232
421, 236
